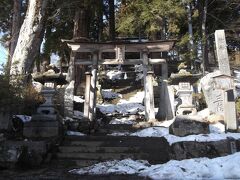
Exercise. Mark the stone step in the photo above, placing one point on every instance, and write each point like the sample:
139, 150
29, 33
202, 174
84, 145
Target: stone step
118, 140
72, 149
108, 84
83, 143
121, 128
155, 150
69, 163
102, 156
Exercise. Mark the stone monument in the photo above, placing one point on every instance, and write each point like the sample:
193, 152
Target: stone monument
218, 87
45, 123
185, 92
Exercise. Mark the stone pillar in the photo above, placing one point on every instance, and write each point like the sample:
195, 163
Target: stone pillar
69, 90
164, 67
92, 99
230, 111
87, 94
222, 54
148, 89
68, 99
162, 109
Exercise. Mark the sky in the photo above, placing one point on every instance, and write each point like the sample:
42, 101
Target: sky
3, 52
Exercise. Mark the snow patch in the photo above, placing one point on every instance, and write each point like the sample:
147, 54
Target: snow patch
152, 132
75, 133
114, 74
123, 121
78, 99
126, 166
109, 94
201, 137
138, 97
166, 123
24, 118
123, 108
217, 128
200, 168
131, 106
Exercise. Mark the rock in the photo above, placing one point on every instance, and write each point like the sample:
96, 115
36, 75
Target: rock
193, 149
8, 156
29, 158
184, 125
21, 153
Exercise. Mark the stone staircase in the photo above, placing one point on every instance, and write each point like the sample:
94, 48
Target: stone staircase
81, 151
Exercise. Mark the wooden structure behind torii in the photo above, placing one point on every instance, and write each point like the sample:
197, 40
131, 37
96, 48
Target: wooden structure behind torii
119, 49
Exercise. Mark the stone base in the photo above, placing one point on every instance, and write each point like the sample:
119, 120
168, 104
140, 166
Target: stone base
41, 129
27, 152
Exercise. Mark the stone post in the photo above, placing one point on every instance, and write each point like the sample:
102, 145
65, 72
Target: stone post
164, 67
120, 53
162, 110
69, 90
230, 110
148, 89
92, 99
222, 54
87, 94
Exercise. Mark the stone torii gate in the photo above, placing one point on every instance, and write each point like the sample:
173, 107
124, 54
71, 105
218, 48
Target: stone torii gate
119, 49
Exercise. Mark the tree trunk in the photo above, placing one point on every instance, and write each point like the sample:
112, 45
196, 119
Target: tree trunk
16, 25
100, 20
190, 31
205, 63
80, 30
111, 20
29, 38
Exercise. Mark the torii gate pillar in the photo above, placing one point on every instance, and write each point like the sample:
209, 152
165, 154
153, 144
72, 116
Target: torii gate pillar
148, 89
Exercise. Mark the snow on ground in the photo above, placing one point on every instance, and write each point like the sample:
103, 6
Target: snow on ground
109, 94
114, 74
152, 132
202, 137
200, 168
24, 118
122, 107
217, 128
75, 133
78, 99
217, 133
138, 97
125, 120
166, 123
131, 106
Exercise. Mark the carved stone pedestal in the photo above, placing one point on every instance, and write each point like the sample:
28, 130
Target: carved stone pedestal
45, 123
